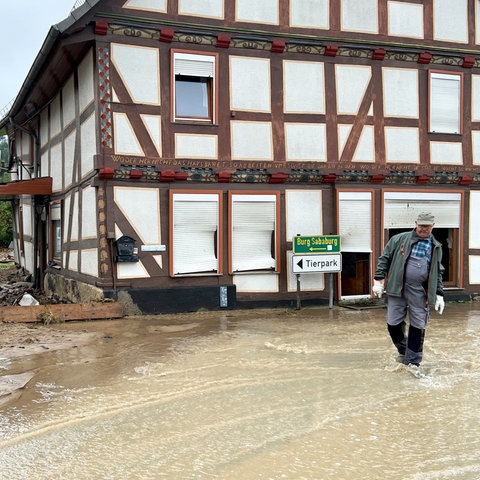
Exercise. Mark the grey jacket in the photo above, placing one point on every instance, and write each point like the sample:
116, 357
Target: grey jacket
392, 262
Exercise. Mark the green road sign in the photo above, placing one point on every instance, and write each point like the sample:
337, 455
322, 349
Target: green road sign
316, 244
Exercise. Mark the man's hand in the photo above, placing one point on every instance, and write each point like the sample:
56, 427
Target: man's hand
378, 288
439, 304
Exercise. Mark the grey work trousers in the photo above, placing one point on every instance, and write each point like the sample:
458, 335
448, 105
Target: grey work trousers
414, 302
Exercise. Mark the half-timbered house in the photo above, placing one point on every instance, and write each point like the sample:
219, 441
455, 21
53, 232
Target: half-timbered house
168, 151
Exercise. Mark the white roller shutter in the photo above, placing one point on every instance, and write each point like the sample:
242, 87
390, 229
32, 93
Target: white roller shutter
194, 65
253, 227
195, 223
355, 221
401, 209
445, 103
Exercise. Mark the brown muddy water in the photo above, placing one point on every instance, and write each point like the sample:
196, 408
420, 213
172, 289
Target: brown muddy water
267, 394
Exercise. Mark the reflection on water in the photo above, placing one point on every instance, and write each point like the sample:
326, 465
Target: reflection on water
314, 394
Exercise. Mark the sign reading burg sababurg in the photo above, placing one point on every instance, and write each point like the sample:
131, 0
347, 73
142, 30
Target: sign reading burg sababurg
317, 244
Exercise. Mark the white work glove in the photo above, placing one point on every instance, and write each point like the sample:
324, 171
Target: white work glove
439, 304
378, 288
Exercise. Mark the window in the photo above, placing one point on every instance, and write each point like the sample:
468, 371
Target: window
445, 103
195, 237
254, 232
193, 87
56, 231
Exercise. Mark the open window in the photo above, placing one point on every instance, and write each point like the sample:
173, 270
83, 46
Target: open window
445, 100
195, 237
56, 232
193, 87
401, 210
254, 232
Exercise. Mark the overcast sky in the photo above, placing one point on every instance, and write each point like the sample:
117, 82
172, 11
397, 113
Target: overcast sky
24, 25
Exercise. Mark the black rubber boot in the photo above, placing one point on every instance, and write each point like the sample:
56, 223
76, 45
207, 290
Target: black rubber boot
397, 334
414, 351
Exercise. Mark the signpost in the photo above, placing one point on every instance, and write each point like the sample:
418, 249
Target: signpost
319, 253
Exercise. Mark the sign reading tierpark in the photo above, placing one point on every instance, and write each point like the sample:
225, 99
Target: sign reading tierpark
319, 253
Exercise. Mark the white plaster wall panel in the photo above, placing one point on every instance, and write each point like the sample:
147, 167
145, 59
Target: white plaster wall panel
446, 153
68, 98
250, 84
86, 84
131, 270
125, 140
56, 167
201, 8
305, 142
149, 5
450, 20
343, 133
153, 124
365, 151
43, 170
44, 127
89, 262
88, 142
309, 282
405, 19
69, 158
476, 147
304, 87
74, 219
475, 98
73, 260
89, 213
260, 282
474, 222
400, 92
359, 16
402, 145
474, 269
159, 260
25, 148
141, 207
28, 256
265, 11
27, 215
310, 13
55, 117
251, 140
303, 213
66, 217
352, 82
477, 22
196, 146
139, 68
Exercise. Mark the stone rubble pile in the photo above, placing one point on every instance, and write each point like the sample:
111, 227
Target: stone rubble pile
14, 283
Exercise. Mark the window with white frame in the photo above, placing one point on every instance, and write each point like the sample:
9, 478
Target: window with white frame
254, 235
445, 102
193, 87
195, 238
56, 231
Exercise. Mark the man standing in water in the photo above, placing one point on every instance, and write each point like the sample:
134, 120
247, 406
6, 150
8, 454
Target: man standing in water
410, 271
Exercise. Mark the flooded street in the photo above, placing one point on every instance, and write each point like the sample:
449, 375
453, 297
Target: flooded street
267, 394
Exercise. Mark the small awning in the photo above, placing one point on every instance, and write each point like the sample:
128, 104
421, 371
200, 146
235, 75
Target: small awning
36, 186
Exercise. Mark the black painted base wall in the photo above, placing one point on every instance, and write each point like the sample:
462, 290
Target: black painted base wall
182, 299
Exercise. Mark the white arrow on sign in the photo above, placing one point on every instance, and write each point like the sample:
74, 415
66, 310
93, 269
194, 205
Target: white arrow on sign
317, 263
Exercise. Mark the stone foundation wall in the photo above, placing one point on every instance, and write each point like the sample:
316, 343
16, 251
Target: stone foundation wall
71, 290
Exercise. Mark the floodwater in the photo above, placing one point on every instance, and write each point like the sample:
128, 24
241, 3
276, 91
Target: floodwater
266, 394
